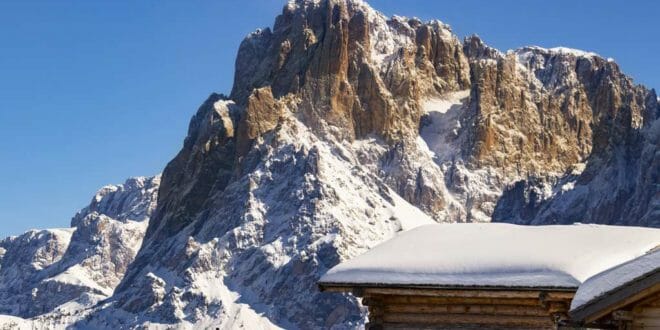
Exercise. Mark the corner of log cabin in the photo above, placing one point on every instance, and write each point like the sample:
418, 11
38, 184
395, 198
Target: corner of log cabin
424, 308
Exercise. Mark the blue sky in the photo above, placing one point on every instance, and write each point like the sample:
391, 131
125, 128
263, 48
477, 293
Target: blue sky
92, 92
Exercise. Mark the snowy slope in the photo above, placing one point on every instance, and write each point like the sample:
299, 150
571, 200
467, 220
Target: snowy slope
281, 229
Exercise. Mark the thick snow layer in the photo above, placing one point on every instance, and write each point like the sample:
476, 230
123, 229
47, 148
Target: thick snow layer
614, 278
558, 50
442, 124
572, 51
80, 276
505, 255
408, 215
13, 322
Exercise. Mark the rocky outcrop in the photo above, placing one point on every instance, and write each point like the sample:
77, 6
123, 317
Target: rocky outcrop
67, 270
25, 255
338, 113
351, 67
543, 111
567, 123
344, 127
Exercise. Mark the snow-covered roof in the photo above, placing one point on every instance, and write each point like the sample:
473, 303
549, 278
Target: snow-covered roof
495, 255
615, 278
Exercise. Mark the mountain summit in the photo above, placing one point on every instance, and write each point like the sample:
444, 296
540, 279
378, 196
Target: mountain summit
344, 127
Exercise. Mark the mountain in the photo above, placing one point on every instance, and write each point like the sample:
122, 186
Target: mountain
61, 271
345, 127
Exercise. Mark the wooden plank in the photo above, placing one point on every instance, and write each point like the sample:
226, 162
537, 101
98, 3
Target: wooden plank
645, 323
372, 301
419, 326
461, 293
559, 296
650, 311
376, 311
466, 309
470, 319
324, 288
652, 300
557, 307
622, 315
387, 300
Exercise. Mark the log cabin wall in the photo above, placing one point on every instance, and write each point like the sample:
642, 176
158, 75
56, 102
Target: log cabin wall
636, 306
391, 308
646, 314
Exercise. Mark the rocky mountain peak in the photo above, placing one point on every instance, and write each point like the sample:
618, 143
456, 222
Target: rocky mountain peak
54, 273
123, 202
349, 66
338, 102
343, 128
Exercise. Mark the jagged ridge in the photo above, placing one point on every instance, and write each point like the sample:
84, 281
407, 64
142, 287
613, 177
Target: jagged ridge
339, 120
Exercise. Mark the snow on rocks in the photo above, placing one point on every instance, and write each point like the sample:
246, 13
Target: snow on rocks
557, 50
249, 225
442, 124
67, 270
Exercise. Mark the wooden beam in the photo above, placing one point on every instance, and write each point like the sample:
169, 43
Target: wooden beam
470, 319
646, 323
386, 299
324, 288
556, 307
558, 295
465, 309
622, 315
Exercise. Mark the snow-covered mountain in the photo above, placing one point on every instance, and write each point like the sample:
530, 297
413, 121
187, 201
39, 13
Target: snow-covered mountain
58, 272
343, 128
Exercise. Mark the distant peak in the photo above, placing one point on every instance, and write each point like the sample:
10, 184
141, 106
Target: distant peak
556, 50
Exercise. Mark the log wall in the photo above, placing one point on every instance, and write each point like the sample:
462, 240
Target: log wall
391, 308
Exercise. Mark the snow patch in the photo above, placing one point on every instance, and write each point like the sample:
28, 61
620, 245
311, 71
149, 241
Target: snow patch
442, 124
556, 50
572, 51
15, 323
409, 216
79, 276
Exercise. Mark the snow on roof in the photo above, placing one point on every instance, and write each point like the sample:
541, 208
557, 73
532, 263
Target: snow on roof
499, 255
614, 278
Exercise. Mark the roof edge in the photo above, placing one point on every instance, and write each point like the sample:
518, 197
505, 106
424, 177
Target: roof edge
327, 286
616, 298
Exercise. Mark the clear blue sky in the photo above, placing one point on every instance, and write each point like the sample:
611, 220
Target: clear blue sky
92, 92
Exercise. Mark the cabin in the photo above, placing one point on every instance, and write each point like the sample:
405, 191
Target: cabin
487, 276
624, 297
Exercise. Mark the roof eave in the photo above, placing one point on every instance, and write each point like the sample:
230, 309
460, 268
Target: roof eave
617, 298
348, 287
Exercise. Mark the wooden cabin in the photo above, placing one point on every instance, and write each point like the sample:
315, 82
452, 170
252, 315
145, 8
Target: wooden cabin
465, 308
484, 276
624, 297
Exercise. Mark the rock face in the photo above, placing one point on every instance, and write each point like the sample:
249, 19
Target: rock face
339, 118
350, 67
65, 270
344, 127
